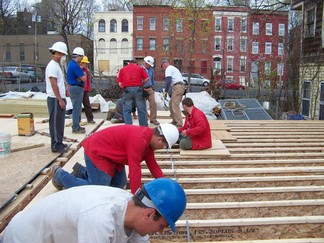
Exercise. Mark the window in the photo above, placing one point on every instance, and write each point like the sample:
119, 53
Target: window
306, 97
230, 25
255, 47
124, 46
267, 68
152, 44
124, 25
22, 51
8, 52
204, 46
242, 80
139, 23
230, 64
243, 44
179, 46
280, 68
280, 49
255, 28
113, 25
268, 47
152, 23
230, 43
310, 22
243, 25
166, 24
139, 44
101, 46
268, 28
101, 25
281, 30
242, 64
217, 63
218, 24
218, 43
179, 25
204, 25
166, 44
321, 102
113, 46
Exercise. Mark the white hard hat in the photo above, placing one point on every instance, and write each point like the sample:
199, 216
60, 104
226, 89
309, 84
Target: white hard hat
59, 47
149, 60
170, 132
78, 51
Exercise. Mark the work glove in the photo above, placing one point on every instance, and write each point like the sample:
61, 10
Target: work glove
165, 94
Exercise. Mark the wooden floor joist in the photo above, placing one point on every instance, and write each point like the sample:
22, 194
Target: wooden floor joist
270, 189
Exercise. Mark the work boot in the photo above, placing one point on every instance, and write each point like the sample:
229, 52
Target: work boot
155, 122
54, 182
79, 131
92, 122
110, 114
76, 169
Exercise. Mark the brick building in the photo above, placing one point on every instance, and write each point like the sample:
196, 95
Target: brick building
223, 42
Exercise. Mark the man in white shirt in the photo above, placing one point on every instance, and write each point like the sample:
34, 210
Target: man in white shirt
174, 80
99, 214
56, 102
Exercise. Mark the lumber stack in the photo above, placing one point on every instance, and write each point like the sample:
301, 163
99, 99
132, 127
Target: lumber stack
271, 186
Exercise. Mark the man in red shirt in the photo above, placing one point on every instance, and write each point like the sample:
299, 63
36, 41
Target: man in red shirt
131, 79
195, 133
108, 151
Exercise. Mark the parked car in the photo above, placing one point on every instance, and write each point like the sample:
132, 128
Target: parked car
195, 79
229, 84
15, 74
33, 71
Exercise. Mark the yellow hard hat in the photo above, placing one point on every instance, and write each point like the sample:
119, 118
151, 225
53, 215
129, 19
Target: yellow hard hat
85, 59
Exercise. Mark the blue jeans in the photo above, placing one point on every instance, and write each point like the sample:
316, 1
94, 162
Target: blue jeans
92, 176
133, 96
76, 95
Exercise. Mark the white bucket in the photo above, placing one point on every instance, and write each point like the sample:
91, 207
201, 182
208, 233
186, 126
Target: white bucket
266, 105
4, 144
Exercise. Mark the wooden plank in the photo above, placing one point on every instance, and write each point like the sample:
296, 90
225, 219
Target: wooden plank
218, 149
222, 135
224, 191
21, 147
8, 115
254, 204
217, 125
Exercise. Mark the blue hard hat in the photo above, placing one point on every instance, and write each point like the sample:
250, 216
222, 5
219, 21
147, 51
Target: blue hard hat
168, 197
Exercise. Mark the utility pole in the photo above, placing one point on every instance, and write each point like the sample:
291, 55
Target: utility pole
36, 19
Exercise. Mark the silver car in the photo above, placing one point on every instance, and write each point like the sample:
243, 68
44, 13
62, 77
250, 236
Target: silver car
196, 79
15, 74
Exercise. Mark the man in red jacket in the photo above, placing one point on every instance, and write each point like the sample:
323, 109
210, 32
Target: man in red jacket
108, 151
195, 133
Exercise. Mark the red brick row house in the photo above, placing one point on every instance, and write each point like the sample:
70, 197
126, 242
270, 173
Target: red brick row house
234, 43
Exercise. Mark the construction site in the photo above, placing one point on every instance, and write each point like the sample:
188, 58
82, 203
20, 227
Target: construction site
262, 181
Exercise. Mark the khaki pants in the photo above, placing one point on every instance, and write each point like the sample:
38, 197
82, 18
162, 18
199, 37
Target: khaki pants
174, 103
152, 103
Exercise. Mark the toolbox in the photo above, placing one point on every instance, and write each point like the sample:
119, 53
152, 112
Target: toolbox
26, 125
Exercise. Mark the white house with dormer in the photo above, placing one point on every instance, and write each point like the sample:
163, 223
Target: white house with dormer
113, 41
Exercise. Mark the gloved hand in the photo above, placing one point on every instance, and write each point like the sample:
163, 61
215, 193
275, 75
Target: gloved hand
165, 94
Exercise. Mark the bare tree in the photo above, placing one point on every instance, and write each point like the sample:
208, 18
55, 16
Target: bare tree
7, 11
65, 16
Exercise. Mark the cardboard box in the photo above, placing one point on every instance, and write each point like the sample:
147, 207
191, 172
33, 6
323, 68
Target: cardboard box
26, 125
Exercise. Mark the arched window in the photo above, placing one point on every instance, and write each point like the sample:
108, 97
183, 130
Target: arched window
101, 45
124, 25
113, 46
102, 26
113, 25
124, 46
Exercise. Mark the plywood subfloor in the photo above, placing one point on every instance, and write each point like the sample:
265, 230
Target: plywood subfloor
19, 167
